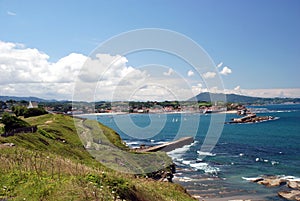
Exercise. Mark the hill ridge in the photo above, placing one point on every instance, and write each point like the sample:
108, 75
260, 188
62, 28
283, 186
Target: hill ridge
235, 98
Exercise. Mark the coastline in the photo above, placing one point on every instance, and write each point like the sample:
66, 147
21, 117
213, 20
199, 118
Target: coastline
218, 193
125, 113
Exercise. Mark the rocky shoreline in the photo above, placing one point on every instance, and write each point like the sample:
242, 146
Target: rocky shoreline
292, 185
251, 118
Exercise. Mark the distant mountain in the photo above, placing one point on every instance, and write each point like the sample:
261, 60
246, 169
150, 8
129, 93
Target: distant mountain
206, 97
234, 98
30, 98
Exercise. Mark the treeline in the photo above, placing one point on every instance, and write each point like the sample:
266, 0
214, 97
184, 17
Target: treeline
58, 106
28, 112
151, 104
12, 122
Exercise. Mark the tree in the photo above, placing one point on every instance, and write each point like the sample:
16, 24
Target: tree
19, 110
12, 122
31, 112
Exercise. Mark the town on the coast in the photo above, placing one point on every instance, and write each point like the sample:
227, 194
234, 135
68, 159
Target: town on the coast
26, 106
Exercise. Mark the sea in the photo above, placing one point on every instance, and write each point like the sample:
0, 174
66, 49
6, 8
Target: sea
239, 152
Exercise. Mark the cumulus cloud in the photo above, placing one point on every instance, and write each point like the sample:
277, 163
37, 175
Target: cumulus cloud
190, 73
106, 67
28, 72
208, 75
19, 64
110, 77
197, 88
226, 71
169, 72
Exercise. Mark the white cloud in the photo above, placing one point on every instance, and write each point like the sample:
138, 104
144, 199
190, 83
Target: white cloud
271, 93
106, 67
226, 71
265, 93
220, 64
208, 75
11, 13
28, 72
19, 64
170, 72
115, 80
190, 73
197, 88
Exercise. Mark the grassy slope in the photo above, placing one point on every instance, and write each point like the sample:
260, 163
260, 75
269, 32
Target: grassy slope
52, 164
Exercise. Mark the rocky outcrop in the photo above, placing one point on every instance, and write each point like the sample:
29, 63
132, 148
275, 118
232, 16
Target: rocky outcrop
293, 194
272, 181
293, 186
290, 195
164, 174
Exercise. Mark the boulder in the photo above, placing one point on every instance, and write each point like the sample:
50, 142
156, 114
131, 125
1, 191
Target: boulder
294, 185
290, 195
272, 181
7, 145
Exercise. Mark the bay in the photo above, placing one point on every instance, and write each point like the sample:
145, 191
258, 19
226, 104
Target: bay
242, 151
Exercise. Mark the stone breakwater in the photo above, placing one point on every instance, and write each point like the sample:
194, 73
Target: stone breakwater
292, 185
168, 146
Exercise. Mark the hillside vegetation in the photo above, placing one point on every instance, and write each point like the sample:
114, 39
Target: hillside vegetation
52, 164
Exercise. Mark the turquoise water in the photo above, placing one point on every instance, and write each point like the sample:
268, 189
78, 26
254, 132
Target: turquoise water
242, 151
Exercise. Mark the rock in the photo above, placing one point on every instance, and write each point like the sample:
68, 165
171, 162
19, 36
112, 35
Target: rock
290, 195
9, 144
271, 182
294, 185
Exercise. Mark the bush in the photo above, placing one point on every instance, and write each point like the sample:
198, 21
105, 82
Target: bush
12, 122
19, 110
32, 112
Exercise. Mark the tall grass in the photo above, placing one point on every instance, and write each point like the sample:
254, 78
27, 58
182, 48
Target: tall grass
52, 164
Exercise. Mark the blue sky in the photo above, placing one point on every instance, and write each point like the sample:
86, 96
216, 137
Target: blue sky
259, 40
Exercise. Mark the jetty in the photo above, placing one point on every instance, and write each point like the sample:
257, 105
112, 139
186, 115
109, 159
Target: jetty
168, 146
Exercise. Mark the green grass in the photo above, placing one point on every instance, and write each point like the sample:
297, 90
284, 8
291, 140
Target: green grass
52, 164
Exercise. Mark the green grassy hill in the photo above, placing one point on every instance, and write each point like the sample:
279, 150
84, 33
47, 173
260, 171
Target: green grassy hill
52, 164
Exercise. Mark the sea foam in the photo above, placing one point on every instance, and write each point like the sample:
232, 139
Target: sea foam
203, 153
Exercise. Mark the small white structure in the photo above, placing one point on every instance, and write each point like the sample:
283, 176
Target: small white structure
32, 105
